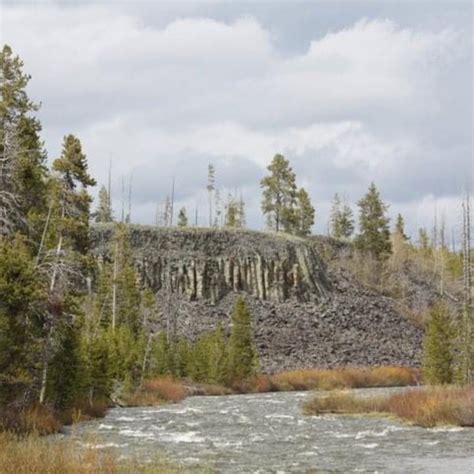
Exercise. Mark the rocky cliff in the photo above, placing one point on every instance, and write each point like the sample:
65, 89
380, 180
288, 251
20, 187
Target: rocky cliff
304, 314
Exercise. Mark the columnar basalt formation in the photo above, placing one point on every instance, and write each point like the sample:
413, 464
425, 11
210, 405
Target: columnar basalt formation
207, 264
305, 313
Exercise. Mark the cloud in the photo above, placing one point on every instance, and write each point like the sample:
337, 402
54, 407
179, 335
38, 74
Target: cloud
373, 100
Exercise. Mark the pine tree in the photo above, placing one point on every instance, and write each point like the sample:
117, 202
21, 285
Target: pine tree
304, 213
234, 212
374, 237
66, 370
104, 209
400, 227
182, 218
22, 155
217, 353
242, 358
438, 358
21, 296
341, 219
279, 194
423, 239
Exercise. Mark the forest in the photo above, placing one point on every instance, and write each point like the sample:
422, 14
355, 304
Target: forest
76, 334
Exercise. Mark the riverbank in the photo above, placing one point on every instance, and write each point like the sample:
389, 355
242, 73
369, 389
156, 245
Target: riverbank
427, 407
34, 454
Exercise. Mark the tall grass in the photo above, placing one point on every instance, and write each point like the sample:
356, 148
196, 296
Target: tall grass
39, 455
423, 407
157, 391
329, 379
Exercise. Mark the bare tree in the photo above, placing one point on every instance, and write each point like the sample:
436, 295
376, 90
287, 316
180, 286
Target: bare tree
211, 186
467, 330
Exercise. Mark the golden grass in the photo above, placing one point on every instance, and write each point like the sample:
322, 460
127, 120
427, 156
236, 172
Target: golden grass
423, 407
329, 379
37, 418
40, 455
157, 391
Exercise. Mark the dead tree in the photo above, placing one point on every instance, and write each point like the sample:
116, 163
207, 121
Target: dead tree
467, 326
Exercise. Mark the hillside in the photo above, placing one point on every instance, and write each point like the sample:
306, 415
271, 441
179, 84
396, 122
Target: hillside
305, 312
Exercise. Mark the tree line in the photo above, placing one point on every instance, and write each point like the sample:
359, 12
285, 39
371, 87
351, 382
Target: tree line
76, 329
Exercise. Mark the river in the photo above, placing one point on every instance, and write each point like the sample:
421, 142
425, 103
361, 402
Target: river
267, 433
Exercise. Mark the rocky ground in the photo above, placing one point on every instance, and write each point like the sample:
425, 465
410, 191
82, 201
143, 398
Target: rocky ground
305, 312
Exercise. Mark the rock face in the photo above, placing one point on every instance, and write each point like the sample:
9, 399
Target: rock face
208, 264
304, 315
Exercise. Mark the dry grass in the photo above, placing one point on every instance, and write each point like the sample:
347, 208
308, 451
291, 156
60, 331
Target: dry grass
157, 391
329, 379
36, 455
424, 407
39, 419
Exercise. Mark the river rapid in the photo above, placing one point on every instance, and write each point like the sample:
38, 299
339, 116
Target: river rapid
268, 433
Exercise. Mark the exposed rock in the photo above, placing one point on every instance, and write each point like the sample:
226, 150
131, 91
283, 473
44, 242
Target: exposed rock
304, 314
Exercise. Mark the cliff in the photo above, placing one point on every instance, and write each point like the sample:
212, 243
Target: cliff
304, 313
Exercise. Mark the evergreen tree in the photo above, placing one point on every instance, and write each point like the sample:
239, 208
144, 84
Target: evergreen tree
21, 296
22, 155
182, 218
217, 354
242, 358
104, 210
304, 213
341, 219
234, 212
400, 227
438, 358
423, 239
374, 237
65, 382
279, 194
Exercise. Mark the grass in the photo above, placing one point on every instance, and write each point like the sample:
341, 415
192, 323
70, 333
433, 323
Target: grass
43, 420
157, 391
422, 407
38, 455
329, 379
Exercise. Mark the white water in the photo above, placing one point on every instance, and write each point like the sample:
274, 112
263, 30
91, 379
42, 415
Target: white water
267, 433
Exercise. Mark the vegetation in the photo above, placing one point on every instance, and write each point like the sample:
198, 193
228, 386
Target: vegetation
286, 207
374, 237
35, 455
330, 379
341, 219
423, 407
438, 351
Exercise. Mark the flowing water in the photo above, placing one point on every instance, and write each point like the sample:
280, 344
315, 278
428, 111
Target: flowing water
268, 433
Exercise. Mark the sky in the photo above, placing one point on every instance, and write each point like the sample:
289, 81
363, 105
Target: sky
350, 92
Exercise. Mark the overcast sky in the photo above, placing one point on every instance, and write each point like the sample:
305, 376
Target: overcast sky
349, 92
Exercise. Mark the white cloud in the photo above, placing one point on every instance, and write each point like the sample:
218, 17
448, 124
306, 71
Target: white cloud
361, 103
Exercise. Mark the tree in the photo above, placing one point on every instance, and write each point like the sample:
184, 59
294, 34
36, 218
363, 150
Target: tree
400, 227
104, 209
341, 218
279, 194
21, 298
374, 237
242, 358
438, 358
423, 239
182, 218
211, 186
304, 213
22, 155
234, 212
